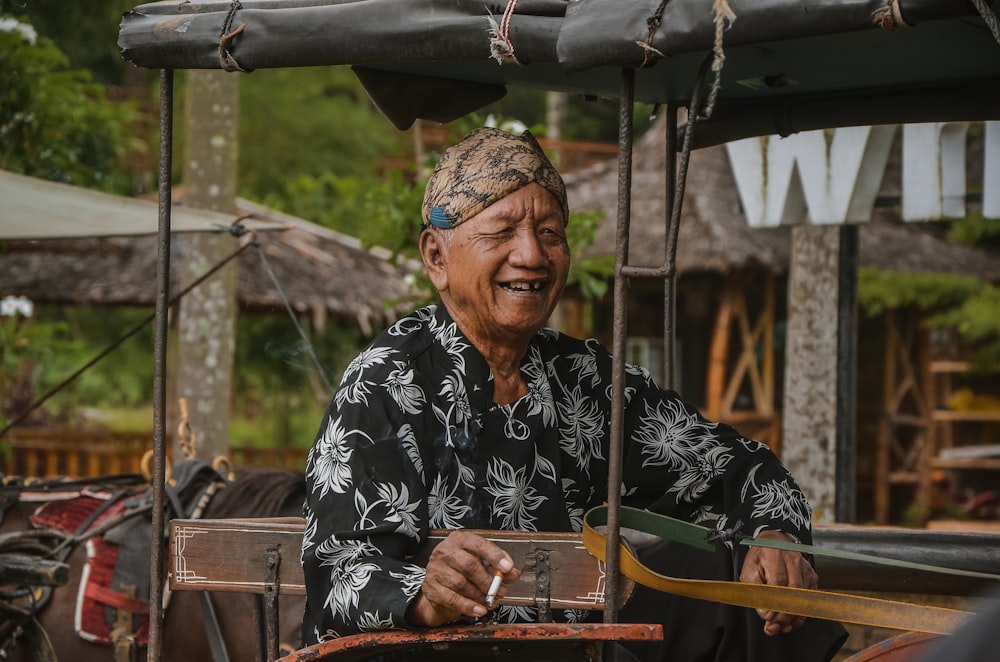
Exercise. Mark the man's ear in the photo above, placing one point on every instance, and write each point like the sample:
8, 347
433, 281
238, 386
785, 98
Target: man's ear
433, 252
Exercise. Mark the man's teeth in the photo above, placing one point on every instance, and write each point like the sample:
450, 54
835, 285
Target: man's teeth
521, 285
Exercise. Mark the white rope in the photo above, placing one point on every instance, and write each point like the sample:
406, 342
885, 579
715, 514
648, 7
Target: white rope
501, 48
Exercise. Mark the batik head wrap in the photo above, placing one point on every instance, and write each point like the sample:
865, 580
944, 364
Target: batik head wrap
482, 168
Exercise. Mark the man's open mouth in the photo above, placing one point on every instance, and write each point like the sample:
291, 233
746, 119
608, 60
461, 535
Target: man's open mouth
523, 286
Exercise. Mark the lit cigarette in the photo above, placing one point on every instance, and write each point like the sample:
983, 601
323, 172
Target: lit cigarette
491, 594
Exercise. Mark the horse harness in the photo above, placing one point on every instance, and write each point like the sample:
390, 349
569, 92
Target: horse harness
114, 605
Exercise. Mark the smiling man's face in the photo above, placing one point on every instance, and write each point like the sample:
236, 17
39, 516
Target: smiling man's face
501, 273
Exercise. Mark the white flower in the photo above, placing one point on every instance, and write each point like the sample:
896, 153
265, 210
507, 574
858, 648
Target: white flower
514, 498
373, 622
331, 459
672, 437
347, 582
26, 30
411, 579
697, 478
398, 507
367, 358
446, 509
399, 384
11, 305
582, 429
777, 500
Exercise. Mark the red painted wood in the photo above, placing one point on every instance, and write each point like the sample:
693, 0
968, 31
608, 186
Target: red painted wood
476, 638
906, 647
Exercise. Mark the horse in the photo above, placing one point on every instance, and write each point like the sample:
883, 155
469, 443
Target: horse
251, 493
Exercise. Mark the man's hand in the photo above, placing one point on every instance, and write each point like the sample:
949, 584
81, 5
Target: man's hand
765, 565
459, 573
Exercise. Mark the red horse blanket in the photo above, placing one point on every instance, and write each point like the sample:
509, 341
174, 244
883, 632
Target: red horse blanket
98, 604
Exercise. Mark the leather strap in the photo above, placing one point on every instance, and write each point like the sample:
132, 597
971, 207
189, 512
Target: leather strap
799, 601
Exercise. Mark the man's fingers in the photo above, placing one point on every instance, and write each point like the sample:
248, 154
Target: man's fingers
460, 571
765, 565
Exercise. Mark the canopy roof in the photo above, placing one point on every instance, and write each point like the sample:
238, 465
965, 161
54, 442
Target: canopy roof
789, 65
322, 273
39, 209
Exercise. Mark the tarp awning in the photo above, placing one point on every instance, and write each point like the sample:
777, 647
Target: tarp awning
789, 65
34, 208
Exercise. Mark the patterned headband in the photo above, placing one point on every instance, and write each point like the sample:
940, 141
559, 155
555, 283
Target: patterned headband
482, 168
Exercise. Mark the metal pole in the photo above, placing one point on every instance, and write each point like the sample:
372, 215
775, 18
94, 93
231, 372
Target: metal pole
845, 495
612, 601
670, 282
160, 362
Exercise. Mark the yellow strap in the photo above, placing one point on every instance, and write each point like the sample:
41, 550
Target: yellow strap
811, 603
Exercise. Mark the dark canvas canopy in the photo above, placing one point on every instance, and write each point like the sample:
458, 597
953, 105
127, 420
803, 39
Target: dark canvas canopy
790, 65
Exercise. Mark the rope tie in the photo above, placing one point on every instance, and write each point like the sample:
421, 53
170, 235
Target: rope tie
653, 23
501, 48
731, 537
186, 435
890, 17
227, 38
724, 19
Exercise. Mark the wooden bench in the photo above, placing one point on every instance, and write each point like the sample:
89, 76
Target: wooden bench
557, 573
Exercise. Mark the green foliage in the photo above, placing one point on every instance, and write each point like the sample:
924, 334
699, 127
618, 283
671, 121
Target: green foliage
280, 392
965, 305
124, 377
85, 30
879, 291
37, 351
975, 230
977, 321
55, 123
309, 122
591, 274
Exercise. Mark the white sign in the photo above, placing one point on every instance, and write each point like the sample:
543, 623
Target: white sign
833, 176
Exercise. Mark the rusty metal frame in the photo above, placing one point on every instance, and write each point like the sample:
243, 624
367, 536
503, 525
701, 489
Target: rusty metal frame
676, 176
160, 328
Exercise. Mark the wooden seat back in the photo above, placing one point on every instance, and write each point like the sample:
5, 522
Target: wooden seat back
557, 571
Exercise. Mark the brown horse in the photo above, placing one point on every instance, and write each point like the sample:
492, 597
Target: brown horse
253, 493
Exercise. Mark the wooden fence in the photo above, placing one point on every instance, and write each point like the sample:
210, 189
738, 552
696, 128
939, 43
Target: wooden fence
46, 453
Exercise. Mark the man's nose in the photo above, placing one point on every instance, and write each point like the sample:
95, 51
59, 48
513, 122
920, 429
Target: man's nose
528, 250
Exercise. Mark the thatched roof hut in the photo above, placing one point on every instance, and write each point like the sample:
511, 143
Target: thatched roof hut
715, 237
322, 273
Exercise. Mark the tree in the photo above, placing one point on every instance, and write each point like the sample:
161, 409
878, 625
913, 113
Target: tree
55, 122
313, 122
206, 323
85, 30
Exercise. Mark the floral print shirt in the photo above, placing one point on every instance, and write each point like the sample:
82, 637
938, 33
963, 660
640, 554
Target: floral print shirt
412, 440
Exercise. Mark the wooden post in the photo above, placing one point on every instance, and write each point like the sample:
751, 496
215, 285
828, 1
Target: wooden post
884, 442
719, 354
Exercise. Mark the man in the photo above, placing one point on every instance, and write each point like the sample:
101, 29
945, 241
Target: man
469, 414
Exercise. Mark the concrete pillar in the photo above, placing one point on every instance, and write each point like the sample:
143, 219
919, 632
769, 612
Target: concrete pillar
809, 435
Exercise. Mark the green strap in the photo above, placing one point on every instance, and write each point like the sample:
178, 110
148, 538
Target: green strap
699, 537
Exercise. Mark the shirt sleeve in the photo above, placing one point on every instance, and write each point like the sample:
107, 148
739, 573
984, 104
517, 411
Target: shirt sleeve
678, 463
366, 514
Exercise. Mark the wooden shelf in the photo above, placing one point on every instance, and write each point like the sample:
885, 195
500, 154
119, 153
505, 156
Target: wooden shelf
968, 416
950, 366
984, 463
